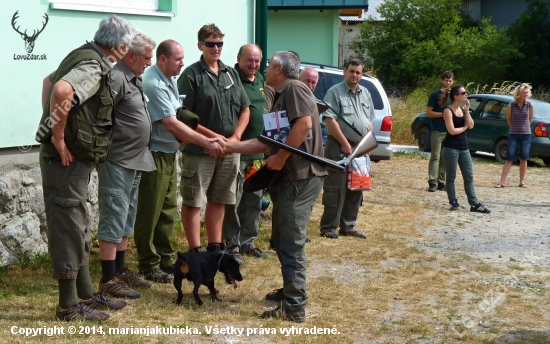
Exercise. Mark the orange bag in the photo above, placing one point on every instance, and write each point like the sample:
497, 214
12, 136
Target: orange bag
359, 173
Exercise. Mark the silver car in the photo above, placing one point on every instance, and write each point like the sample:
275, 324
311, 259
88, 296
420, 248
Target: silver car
382, 124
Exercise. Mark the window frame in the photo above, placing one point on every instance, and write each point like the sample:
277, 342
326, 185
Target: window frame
165, 7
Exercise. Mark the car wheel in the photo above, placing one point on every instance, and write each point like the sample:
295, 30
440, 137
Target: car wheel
425, 139
500, 150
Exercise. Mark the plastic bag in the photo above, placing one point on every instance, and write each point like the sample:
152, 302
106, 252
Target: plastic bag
359, 173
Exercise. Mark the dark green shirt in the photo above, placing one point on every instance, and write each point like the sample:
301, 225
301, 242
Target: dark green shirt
438, 124
255, 92
217, 99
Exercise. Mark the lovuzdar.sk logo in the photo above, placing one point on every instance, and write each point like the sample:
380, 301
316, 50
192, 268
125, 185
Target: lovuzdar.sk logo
29, 40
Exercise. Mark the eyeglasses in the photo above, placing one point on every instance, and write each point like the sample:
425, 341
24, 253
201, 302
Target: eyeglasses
221, 86
464, 93
211, 44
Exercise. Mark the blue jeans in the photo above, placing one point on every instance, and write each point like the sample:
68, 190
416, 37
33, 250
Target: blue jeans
514, 143
462, 158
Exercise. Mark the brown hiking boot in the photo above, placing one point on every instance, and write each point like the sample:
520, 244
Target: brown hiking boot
130, 278
117, 288
80, 311
101, 301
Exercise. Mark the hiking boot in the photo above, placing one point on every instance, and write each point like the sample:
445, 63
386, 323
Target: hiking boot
215, 247
354, 233
101, 301
480, 208
80, 311
157, 275
117, 288
298, 316
432, 187
454, 205
441, 187
330, 235
131, 279
256, 252
168, 269
275, 295
237, 256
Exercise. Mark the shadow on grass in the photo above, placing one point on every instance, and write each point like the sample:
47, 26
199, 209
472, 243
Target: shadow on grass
524, 337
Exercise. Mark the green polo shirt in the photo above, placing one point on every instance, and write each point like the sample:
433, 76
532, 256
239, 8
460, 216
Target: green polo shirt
255, 92
438, 124
356, 108
217, 99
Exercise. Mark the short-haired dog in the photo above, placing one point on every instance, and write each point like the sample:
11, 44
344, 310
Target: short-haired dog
201, 268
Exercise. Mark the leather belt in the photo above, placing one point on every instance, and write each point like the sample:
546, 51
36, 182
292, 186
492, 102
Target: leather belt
351, 143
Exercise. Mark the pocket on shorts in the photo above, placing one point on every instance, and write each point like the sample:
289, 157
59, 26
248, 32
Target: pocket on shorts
188, 185
330, 196
69, 214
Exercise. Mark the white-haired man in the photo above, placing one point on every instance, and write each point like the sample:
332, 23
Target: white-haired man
119, 176
294, 196
75, 132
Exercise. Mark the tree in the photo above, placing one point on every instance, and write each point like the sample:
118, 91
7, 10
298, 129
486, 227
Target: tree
531, 35
420, 38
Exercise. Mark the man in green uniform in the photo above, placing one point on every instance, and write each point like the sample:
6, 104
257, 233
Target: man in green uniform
436, 167
354, 103
79, 89
215, 93
293, 198
157, 199
242, 219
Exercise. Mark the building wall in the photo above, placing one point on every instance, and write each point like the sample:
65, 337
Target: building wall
349, 32
310, 33
20, 94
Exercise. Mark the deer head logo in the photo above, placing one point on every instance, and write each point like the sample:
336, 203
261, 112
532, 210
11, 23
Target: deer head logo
29, 40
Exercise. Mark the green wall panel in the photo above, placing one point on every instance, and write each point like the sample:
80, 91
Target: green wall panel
311, 33
20, 94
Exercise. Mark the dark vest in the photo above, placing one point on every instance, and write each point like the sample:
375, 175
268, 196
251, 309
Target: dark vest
88, 132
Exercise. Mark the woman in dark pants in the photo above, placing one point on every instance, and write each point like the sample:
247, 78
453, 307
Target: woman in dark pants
455, 148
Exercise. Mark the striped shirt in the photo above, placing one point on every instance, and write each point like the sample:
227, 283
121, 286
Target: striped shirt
520, 118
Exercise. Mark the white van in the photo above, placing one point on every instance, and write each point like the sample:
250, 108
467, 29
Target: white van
382, 124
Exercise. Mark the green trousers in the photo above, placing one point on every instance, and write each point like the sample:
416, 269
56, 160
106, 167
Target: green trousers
292, 205
242, 219
341, 205
156, 214
436, 167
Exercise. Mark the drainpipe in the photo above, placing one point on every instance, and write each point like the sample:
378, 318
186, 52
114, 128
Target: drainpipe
261, 30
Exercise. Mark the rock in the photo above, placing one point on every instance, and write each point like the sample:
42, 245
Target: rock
499, 256
22, 236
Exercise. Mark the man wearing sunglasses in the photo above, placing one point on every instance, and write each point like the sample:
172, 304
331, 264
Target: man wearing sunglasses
215, 93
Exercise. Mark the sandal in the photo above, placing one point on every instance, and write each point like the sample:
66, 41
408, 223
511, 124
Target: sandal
523, 185
500, 186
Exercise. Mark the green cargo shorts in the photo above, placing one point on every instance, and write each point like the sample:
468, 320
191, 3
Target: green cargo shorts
215, 177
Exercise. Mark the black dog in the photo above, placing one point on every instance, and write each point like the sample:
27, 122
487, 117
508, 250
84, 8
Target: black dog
201, 268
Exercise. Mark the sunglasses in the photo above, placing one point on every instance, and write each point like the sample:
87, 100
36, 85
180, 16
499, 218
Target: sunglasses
211, 44
464, 93
226, 87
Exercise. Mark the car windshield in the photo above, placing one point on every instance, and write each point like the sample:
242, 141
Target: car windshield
542, 109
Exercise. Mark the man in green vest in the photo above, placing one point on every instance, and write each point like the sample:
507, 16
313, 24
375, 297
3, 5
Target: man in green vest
74, 133
242, 219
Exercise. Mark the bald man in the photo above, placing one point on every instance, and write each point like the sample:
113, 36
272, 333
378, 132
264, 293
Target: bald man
242, 219
310, 77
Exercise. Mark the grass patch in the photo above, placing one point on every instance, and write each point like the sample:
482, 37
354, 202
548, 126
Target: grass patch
383, 289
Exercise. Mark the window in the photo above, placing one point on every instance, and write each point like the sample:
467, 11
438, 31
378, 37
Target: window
161, 8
